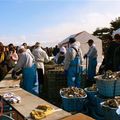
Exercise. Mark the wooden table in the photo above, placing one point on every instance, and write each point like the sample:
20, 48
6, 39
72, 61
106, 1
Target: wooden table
9, 82
78, 116
30, 102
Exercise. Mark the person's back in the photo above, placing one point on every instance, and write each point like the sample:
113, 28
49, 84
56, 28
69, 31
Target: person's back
73, 65
25, 60
26, 64
56, 50
40, 57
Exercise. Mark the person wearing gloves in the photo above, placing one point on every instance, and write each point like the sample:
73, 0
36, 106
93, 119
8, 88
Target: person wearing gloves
91, 55
59, 58
40, 57
26, 63
72, 64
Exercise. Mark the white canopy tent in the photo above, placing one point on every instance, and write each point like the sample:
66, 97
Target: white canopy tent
83, 37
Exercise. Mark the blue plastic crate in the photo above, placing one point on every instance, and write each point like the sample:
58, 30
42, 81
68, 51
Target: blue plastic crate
73, 104
109, 112
108, 87
91, 96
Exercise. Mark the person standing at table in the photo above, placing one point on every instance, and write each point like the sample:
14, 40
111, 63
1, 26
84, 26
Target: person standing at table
26, 63
59, 58
91, 55
40, 57
55, 50
72, 64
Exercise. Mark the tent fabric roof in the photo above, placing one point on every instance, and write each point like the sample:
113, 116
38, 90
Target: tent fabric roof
83, 37
66, 40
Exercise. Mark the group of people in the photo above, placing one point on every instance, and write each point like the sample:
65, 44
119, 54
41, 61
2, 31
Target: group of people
8, 58
73, 62
31, 62
111, 59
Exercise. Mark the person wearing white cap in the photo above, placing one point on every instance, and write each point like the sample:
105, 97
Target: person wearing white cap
72, 64
26, 63
27, 49
59, 58
40, 57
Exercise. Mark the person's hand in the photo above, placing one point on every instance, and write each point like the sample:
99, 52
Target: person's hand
85, 56
14, 74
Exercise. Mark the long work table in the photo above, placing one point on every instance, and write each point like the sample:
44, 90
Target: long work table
28, 101
9, 82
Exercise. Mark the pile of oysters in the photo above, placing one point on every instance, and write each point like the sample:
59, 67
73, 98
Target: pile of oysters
73, 92
111, 75
113, 103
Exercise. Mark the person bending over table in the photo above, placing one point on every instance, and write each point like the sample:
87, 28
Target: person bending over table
26, 64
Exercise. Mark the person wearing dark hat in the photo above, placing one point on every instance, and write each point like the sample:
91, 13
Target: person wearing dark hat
91, 55
72, 63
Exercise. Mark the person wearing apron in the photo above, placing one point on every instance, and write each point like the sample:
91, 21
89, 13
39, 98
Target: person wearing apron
72, 65
92, 60
41, 57
26, 63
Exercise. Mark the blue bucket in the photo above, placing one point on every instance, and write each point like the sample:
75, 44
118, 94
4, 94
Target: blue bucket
91, 96
92, 113
99, 109
109, 112
75, 104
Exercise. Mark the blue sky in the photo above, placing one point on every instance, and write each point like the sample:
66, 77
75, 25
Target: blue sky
51, 21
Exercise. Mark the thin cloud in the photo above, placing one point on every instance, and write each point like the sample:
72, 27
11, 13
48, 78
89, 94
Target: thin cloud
50, 36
